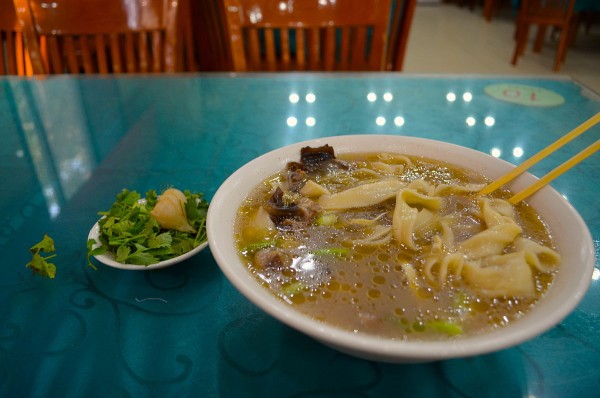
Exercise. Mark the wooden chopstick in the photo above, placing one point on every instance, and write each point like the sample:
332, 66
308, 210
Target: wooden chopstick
577, 131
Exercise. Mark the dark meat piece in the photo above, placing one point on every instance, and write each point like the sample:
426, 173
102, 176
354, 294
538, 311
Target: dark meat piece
295, 166
277, 208
296, 180
272, 259
282, 214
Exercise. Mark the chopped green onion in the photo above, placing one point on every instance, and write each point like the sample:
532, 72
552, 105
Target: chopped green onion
293, 288
332, 251
256, 246
447, 327
327, 219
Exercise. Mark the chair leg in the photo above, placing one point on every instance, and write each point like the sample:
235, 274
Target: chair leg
540, 38
522, 34
573, 29
488, 6
561, 52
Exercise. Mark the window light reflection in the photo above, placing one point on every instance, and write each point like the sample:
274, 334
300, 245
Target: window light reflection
54, 210
517, 152
451, 97
310, 98
380, 121
371, 97
292, 121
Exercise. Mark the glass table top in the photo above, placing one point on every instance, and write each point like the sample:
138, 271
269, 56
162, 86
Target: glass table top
70, 144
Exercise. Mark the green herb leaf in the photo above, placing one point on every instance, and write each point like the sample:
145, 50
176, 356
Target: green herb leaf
39, 264
45, 245
133, 237
122, 253
161, 240
94, 252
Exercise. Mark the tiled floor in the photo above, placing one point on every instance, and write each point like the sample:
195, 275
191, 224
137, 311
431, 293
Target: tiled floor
446, 38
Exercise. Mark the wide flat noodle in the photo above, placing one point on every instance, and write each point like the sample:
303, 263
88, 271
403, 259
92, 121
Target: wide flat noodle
502, 275
406, 212
543, 258
313, 190
496, 261
496, 212
490, 242
426, 220
453, 188
387, 169
361, 195
381, 234
437, 268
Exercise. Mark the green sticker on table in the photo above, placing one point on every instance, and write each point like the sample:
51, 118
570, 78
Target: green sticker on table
524, 95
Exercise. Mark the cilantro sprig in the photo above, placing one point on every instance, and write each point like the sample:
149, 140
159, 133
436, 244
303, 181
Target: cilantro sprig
129, 232
39, 264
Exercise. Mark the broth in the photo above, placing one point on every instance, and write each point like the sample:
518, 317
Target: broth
366, 269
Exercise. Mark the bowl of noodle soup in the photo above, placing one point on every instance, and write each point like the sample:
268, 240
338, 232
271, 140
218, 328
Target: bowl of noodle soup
373, 290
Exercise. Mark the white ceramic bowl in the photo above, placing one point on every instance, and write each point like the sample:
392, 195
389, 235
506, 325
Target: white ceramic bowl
571, 235
109, 258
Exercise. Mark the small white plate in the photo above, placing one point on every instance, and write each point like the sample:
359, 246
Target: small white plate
109, 258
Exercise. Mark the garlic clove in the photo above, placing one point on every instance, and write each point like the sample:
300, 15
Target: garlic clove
170, 213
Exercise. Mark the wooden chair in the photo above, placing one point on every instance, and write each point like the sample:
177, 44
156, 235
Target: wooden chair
102, 36
327, 35
544, 13
14, 59
187, 60
490, 9
402, 16
210, 35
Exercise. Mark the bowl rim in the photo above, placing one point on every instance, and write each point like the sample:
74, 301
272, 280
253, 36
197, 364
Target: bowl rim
370, 346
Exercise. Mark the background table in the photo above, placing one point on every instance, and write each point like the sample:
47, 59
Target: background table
69, 145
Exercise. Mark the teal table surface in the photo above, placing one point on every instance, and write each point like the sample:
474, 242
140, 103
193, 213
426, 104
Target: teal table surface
68, 145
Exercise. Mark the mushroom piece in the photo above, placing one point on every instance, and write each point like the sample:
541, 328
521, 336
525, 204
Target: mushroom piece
312, 158
317, 159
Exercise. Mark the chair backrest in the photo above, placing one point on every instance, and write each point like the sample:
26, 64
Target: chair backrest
324, 35
210, 35
548, 12
402, 16
102, 36
13, 55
